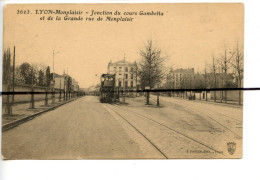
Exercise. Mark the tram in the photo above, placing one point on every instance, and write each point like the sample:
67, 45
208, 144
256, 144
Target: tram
107, 88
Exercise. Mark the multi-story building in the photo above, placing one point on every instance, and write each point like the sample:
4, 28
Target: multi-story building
59, 81
183, 78
126, 74
74, 85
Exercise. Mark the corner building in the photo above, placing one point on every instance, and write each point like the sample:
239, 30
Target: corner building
126, 75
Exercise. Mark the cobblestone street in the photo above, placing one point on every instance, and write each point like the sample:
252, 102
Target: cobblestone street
86, 128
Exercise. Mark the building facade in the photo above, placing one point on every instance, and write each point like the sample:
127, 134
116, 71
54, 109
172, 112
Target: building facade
74, 85
65, 83
59, 81
183, 78
126, 74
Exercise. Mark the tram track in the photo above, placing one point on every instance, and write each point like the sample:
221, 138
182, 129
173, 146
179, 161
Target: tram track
225, 115
187, 137
149, 140
237, 120
216, 121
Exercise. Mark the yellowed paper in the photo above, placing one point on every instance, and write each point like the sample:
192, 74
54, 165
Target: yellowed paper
123, 81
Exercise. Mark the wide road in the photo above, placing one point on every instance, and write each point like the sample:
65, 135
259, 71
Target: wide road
88, 129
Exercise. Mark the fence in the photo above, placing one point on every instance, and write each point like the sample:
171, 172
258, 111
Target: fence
39, 93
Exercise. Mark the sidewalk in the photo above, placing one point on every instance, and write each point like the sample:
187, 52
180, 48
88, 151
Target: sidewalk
22, 112
153, 101
210, 101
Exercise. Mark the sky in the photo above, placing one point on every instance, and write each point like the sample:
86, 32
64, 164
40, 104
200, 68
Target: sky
188, 34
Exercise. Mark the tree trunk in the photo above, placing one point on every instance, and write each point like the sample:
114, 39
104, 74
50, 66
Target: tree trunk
147, 98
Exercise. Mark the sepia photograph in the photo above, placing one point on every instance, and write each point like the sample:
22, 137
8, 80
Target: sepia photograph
122, 81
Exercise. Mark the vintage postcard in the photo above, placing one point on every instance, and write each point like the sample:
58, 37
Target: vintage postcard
123, 81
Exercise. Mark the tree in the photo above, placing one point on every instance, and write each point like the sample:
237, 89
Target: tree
26, 72
199, 82
206, 81
213, 71
6, 66
48, 76
69, 86
6, 80
238, 66
169, 84
225, 63
40, 80
18, 76
151, 67
151, 71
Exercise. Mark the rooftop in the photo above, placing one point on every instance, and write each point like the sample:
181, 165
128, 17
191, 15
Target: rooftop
190, 70
121, 62
57, 75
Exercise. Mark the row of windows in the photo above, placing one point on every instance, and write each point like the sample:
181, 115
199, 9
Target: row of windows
126, 69
182, 75
126, 84
126, 76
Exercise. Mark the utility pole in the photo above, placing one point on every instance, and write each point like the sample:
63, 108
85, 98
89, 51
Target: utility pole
206, 82
13, 75
64, 85
124, 81
214, 72
53, 80
32, 106
239, 74
68, 85
220, 92
53, 61
136, 78
60, 91
225, 69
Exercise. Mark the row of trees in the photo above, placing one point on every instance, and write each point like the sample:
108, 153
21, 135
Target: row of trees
225, 71
30, 74
26, 73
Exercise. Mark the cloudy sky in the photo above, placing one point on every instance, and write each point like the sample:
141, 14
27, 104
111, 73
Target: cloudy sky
190, 34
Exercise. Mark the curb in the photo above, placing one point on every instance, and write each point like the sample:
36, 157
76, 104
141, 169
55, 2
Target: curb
13, 124
211, 102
